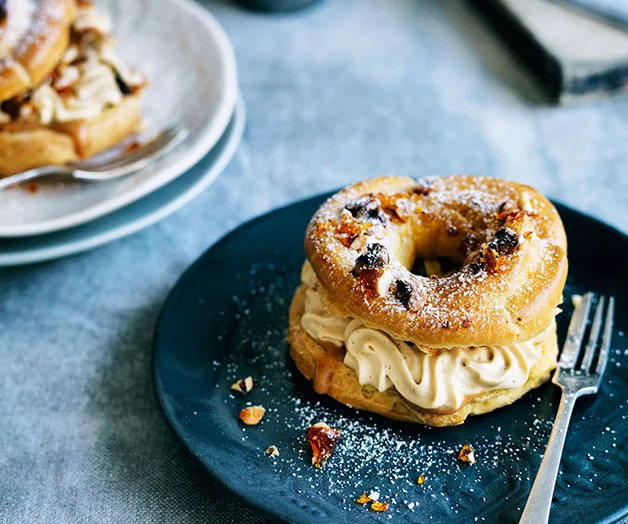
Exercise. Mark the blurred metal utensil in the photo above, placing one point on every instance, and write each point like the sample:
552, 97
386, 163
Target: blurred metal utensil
110, 168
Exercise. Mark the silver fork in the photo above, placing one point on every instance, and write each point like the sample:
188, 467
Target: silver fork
107, 169
574, 381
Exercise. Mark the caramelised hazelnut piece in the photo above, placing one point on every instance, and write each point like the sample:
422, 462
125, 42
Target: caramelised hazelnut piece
467, 454
366, 208
396, 206
323, 440
505, 242
504, 208
525, 202
364, 499
347, 232
380, 506
243, 385
423, 186
376, 257
370, 269
508, 210
252, 415
405, 293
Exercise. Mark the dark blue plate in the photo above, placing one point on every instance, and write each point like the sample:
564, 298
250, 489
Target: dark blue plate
226, 318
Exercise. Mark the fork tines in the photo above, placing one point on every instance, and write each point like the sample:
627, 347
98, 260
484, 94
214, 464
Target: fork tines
572, 350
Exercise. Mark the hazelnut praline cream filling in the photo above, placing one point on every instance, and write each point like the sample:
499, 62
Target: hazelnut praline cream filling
441, 380
90, 79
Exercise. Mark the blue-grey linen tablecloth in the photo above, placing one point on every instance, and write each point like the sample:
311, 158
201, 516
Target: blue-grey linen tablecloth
348, 90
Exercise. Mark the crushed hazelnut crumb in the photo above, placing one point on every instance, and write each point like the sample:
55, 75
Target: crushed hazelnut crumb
364, 499
379, 506
526, 203
252, 415
272, 451
133, 146
243, 385
467, 454
32, 187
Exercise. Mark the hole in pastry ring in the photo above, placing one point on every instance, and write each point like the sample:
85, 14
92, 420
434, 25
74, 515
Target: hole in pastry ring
509, 239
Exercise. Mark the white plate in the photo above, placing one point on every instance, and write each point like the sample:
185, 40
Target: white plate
133, 217
190, 64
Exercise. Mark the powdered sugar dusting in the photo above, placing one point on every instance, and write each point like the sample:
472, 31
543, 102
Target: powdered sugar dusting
19, 18
477, 220
376, 454
29, 23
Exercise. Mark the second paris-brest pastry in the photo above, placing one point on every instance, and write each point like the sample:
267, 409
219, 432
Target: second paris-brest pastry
65, 94
431, 300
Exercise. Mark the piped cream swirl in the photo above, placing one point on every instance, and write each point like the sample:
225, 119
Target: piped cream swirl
88, 70
432, 379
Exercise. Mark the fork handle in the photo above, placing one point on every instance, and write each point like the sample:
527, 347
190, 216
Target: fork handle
31, 174
537, 508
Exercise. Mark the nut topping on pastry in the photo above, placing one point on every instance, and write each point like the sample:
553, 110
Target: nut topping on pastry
422, 187
376, 257
370, 268
404, 293
506, 241
437, 346
366, 208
